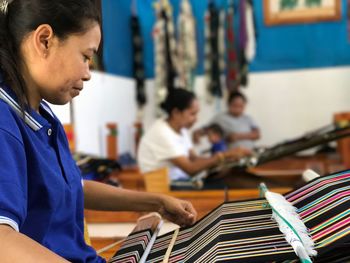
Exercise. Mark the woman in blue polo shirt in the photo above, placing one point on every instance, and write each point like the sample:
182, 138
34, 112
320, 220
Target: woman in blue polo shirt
45, 49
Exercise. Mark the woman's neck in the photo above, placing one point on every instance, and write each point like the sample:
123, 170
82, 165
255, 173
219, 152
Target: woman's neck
176, 127
34, 98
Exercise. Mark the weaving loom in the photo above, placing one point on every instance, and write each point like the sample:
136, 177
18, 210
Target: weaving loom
244, 231
311, 139
244, 179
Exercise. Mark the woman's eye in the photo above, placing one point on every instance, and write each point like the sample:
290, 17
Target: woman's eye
86, 58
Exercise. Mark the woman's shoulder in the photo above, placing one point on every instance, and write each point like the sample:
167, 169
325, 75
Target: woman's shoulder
158, 125
159, 130
9, 119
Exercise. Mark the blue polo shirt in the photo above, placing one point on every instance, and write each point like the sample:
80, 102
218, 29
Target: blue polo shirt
41, 192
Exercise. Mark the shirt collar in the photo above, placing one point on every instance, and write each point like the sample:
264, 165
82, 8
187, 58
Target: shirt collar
33, 119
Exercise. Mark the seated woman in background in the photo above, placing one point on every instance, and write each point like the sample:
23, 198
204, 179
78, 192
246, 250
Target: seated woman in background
167, 143
239, 128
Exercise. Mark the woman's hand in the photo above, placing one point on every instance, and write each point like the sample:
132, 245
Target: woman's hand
237, 153
177, 211
197, 134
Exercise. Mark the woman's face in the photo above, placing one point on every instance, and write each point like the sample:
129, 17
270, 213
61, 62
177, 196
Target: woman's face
59, 76
188, 116
237, 106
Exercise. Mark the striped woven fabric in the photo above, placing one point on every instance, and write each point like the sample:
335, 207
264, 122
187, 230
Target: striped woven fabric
138, 244
133, 248
244, 231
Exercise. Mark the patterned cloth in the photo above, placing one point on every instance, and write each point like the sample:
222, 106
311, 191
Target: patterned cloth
212, 69
348, 19
250, 50
243, 63
244, 231
138, 67
166, 63
187, 49
232, 63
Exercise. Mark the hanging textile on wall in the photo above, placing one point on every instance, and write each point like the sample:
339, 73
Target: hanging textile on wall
165, 50
250, 50
243, 63
348, 19
187, 46
207, 54
167, 14
138, 67
244, 231
159, 51
222, 47
232, 63
212, 70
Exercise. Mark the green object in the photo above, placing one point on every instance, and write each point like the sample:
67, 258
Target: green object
288, 4
311, 3
114, 132
262, 191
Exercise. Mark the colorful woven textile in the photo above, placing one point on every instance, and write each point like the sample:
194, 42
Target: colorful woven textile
244, 231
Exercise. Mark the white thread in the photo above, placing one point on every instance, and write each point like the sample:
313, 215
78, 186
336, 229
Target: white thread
4, 6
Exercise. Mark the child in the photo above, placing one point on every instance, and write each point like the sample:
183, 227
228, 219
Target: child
216, 137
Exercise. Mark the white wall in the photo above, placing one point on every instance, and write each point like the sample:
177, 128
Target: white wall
105, 98
285, 104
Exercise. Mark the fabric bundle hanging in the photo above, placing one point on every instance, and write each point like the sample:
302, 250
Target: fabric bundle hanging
232, 62
243, 63
187, 47
159, 51
138, 67
348, 19
250, 50
165, 50
244, 231
222, 47
247, 46
212, 69
170, 43
207, 54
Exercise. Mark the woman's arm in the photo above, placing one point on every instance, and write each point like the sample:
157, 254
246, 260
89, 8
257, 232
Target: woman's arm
252, 135
197, 134
100, 196
195, 164
16, 247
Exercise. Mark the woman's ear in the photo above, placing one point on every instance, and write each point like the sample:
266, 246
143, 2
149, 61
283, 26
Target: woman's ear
43, 39
175, 112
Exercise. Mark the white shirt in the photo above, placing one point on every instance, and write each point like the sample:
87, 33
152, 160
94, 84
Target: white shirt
160, 144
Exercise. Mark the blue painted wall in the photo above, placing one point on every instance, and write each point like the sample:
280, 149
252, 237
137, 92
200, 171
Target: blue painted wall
278, 47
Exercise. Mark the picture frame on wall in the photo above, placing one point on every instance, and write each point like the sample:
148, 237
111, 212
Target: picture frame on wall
279, 12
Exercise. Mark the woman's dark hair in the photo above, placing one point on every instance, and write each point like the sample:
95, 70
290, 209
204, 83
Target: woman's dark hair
66, 17
179, 99
235, 95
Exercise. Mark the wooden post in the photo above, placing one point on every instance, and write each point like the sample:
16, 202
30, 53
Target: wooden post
112, 141
138, 134
343, 145
69, 130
